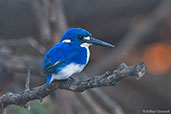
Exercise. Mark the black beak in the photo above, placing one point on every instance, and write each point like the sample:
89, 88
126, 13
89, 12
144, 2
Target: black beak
99, 42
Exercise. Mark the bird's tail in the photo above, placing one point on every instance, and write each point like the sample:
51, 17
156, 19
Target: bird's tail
49, 79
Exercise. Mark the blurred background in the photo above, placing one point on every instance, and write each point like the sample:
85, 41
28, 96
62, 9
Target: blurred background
140, 30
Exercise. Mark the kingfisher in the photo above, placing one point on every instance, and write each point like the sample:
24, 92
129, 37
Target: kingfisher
70, 55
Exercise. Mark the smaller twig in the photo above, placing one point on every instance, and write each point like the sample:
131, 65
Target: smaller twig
95, 106
2, 110
112, 104
116, 109
5, 111
14, 42
28, 79
27, 89
37, 45
41, 17
57, 19
22, 42
20, 64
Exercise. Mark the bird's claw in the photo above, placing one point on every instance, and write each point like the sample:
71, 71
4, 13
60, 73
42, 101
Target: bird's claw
70, 80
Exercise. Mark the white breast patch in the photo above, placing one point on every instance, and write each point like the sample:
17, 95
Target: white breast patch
68, 71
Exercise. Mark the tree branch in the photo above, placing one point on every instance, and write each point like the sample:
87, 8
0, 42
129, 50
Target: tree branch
107, 79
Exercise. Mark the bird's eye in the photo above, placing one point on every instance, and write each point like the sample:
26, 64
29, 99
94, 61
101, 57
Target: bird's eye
80, 37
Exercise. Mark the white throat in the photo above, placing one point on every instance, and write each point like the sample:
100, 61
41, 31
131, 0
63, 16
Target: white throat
86, 45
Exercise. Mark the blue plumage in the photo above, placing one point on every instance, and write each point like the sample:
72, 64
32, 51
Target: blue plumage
70, 55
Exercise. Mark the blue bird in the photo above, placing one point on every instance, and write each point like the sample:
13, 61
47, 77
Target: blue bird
70, 55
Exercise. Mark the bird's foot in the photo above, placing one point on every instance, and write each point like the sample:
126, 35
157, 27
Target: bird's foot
70, 80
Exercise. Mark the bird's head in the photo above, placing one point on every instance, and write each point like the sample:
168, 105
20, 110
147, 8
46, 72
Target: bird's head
78, 36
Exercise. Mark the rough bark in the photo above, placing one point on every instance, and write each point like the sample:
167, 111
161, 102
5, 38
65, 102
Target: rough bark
107, 79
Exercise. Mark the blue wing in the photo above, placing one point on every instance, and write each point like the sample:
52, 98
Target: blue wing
61, 55
54, 58
51, 68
